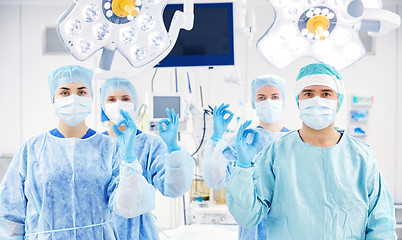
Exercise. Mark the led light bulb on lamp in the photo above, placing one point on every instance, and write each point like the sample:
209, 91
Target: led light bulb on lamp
127, 35
139, 52
91, 13
157, 40
146, 23
102, 31
73, 27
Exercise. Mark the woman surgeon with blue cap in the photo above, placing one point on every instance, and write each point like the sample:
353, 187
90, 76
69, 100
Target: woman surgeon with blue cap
267, 97
164, 165
316, 182
65, 183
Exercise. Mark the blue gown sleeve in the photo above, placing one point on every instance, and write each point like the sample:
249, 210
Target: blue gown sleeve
248, 200
215, 171
131, 194
170, 173
381, 212
13, 203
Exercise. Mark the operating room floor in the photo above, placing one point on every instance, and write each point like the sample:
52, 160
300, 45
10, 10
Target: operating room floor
201, 232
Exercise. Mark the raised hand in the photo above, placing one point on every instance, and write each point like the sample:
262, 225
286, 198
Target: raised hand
126, 138
220, 122
168, 129
246, 151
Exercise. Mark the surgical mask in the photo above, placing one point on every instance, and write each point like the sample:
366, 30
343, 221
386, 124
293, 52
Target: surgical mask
112, 110
269, 111
318, 113
73, 109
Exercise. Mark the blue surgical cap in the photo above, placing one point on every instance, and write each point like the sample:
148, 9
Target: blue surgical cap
117, 84
320, 74
68, 74
318, 69
264, 80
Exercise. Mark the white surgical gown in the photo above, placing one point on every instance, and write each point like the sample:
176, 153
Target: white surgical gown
65, 188
218, 165
310, 192
170, 173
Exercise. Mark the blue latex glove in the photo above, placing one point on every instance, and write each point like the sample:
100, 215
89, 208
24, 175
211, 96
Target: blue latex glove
169, 134
126, 138
246, 151
220, 122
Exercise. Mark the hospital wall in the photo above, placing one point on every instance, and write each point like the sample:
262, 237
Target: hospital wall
26, 109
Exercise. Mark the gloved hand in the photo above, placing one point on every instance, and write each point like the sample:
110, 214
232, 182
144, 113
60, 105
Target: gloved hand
246, 151
220, 123
169, 134
126, 138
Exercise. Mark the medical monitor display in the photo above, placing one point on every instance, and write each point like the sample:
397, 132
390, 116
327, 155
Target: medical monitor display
160, 103
209, 43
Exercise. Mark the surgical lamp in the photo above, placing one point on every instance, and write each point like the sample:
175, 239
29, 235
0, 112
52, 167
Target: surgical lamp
135, 28
326, 30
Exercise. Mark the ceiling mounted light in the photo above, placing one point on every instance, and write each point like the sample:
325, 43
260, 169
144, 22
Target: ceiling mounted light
135, 28
326, 30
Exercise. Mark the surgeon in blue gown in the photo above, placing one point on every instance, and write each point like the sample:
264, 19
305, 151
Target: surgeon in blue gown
65, 183
314, 183
165, 165
268, 98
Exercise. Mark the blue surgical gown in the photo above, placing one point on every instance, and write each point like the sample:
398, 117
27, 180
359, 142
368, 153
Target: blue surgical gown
170, 173
218, 165
310, 192
61, 188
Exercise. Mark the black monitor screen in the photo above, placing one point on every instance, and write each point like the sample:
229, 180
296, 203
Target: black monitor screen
209, 43
163, 102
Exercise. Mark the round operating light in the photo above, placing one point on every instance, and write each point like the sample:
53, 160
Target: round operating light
127, 35
91, 13
73, 27
157, 40
102, 31
139, 52
84, 45
319, 21
121, 11
147, 22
